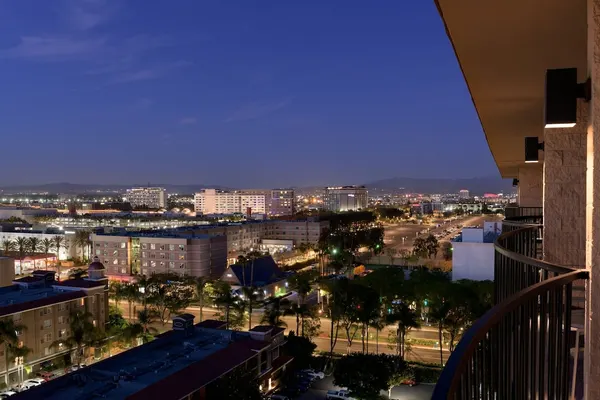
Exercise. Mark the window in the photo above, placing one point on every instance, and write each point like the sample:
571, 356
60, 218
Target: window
47, 351
144, 246
162, 247
47, 323
94, 323
63, 307
98, 252
63, 320
115, 252
162, 255
123, 245
17, 317
171, 264
62, 333
144, 254
45, 311
153, 263
47, 338
182, 256
123, 270
181, 247
81, 302
144, 263
19, 332
152, 246
181, 265
162, 264
123, 262
171, 247
144, 271
115, 261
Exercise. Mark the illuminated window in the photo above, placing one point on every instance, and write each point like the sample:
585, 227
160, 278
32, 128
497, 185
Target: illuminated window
115, 261
123, 245
152, 246
182, 256
171, 247
171, 264
153, 263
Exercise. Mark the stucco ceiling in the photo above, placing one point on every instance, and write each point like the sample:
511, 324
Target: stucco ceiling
504, 49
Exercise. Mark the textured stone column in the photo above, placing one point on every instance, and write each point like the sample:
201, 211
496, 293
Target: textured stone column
564, 192
592, 259
530, 187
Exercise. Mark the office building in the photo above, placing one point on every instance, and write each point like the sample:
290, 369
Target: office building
282, 202
463, 194
150, 197
540, 340
167, 251
179, 364
473, 252
43, 305
345, 198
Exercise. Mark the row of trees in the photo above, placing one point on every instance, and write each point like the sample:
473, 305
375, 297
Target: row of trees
426, 246
384, 298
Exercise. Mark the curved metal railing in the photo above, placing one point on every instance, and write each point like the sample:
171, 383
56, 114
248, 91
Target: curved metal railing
519, 349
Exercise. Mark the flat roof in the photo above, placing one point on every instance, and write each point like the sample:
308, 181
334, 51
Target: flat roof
15, 299
173, 365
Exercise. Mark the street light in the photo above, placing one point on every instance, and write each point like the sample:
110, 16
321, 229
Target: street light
334, 251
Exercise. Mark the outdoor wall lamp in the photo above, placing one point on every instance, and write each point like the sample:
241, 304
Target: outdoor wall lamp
515, 182
562, 92
532, 147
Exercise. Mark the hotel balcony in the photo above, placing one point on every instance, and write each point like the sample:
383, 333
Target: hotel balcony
533, 72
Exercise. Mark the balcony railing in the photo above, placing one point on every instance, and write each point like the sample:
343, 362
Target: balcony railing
513, 211
520, 349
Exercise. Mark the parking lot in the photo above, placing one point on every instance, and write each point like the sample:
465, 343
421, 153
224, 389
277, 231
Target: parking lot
320, 387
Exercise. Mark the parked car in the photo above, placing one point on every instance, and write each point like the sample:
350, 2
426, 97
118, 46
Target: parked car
277, 396
312, 373
409, 382
29, 383
46, 376
339, 395
6, 394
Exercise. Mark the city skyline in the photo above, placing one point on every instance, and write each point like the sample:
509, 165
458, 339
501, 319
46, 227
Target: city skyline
236, 95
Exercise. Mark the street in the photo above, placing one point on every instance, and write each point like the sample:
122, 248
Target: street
417, 352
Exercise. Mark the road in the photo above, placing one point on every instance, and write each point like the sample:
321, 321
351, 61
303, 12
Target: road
417, 353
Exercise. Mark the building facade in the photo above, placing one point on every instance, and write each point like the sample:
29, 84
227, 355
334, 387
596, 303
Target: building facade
282, 202
463, 194
345, 198
43, 305
212, 201
151, 197
156, 252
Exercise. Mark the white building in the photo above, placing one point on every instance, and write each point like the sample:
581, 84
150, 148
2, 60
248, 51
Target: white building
151, 197
212, 201
473, 253
463, 194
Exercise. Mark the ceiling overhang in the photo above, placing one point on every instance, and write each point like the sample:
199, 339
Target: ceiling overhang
504, 49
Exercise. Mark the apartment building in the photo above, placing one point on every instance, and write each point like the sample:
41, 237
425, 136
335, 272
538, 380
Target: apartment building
256, 203
179, 364
282, 202
151, 197
345, 198
212, 201
301, 232
43, 305
169, 251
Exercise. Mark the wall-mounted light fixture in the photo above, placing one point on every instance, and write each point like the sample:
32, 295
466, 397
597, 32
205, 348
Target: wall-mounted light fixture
562, 92
532, 147
515, 182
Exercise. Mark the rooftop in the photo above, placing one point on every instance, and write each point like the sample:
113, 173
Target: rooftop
170, 364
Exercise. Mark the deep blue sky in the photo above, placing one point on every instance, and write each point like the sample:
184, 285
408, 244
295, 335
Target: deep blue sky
239, 92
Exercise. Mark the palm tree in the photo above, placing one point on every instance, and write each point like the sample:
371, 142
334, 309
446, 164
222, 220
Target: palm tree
10, 338
273, 314
59, 243
132, 294
45, 246
301, 312
203, 288
33, 246
116, 292
82, 333
224, 299
406, 319
146, 318
22, 244
251, 298
82, 239
8, 246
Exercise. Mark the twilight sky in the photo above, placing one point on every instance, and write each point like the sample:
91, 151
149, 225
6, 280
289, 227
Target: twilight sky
242, 93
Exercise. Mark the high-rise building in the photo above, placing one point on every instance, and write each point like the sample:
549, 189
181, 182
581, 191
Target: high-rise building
282, 202
151, 197
345, 198
463, 194
212, 201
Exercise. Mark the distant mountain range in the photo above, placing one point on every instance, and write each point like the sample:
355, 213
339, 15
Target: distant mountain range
475, 186
415, 185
